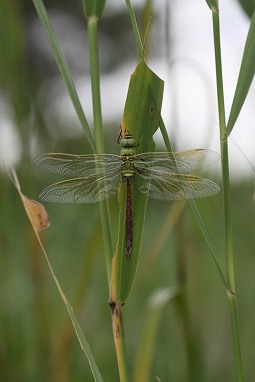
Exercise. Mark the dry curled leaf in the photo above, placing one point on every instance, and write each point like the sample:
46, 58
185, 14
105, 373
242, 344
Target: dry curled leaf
36, 212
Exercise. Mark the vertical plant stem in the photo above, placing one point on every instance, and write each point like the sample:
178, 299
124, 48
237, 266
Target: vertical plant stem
119, 339
227, 206
98, 130
117, 322
95, 81
139, 45
194, 364
182, 299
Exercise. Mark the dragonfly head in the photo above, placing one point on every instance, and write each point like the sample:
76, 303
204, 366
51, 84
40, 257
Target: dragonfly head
128, 141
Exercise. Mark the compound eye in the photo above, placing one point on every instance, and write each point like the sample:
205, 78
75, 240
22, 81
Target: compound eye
124, 142
132, 142
128, 141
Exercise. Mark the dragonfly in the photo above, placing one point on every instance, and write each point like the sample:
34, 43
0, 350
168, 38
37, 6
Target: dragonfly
158, 175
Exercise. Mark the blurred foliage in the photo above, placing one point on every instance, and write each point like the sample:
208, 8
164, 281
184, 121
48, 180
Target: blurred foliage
29, 75
37, 341
248, 6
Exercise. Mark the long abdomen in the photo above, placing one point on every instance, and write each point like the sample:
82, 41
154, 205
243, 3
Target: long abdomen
129, 220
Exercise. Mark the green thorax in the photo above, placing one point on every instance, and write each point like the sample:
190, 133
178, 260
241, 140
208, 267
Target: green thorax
128, 145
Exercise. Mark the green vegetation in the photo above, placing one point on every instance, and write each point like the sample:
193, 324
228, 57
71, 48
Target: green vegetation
190, 313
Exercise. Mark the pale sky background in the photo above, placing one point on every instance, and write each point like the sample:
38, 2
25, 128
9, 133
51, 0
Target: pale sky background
189, 104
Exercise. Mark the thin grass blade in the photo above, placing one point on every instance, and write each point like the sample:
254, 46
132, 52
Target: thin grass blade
245, 77
39, 220
64, 69
208, 241
84, 345
139, 45
148, 338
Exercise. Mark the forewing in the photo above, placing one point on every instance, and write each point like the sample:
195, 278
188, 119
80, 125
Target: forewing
174, 162
175, 186
78, 165
91, 189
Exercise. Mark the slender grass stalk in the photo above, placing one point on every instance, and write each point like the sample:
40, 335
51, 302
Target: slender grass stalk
194, 363
195, 211
182, 303
165, 134
117, 322
226, 195
119, 340
98, 130
139, 44
39, 220
153, 314
208, 241
95, 82
64, 69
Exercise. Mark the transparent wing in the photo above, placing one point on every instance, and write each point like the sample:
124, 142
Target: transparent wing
174, 162
78, 165
91, 189
175, 186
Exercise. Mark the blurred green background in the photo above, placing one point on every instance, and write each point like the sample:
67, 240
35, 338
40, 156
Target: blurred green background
37, 341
